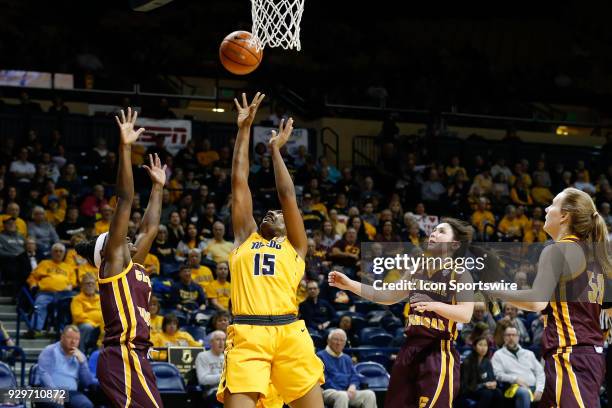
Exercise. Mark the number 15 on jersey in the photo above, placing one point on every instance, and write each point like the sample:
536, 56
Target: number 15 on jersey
264, 264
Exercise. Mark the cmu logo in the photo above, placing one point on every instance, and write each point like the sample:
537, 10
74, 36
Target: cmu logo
173, 135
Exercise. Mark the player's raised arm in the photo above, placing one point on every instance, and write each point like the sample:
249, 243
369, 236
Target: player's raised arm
150, 220
116, 253
286, 191
242, 201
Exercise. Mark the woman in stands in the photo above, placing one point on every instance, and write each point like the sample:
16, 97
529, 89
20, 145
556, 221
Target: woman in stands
477, 378
266, 342
426, 371
571, 276
125, 374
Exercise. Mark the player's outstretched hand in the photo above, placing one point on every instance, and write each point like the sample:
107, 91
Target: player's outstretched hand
284, 132
156, 171
246, 112
338, 280
126, 127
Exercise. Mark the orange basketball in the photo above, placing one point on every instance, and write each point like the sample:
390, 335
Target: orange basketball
238, 55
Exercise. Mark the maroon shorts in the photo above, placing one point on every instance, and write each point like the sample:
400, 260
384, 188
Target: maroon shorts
127, 379
573, 379
424, 376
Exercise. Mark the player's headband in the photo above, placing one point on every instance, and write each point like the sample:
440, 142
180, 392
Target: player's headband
98, 249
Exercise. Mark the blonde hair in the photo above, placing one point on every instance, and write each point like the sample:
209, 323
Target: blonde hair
587, 224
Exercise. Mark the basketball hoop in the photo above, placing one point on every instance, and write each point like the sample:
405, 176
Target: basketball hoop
276, 23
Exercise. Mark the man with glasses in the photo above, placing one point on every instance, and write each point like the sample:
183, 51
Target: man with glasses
519, 369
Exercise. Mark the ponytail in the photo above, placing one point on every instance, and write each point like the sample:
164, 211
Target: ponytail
600, 243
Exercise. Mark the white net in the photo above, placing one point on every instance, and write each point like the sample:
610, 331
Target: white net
276, 23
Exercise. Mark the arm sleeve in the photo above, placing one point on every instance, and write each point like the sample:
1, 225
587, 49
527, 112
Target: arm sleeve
45, 364
85, 377
539, 374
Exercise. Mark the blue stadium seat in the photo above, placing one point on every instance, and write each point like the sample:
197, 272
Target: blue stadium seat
379, 357
359, 322
374, 375
34, 377
93, 363
374, 317
365, 307
169, 379
197, 332
391, 323
379, 340
7, 381
368, 332
317, 339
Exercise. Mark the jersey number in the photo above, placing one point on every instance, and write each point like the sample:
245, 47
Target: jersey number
264, 265
597, 288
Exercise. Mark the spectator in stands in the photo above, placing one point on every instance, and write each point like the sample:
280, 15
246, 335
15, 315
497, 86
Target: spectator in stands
509, 228
500, 167
156, 319
432, 189
477, 376
187, 296
200, 274
218, 248
54, 214
511, 314
480, 314
540, 193
483, 183
162, 111
534, 232
42, 231
22, 170
54, 280
364, 233
313, 217
341, 388
316, 312
87, 313
209, 365
158, 148
387, 234
69, 179
352, 336
346, 252
26, 105
427, 222
518, 368
175, 230
582, 183
519, 194
483, 219
71, 225
94, 202
191, 240
329, 236
187, 156
77, 262
63, 366
12, 211
171, 336
604, 211
103, 224
206, 155
58, 107
315, 266
162, 249
218, 291
208, 219
11, 248
543, 174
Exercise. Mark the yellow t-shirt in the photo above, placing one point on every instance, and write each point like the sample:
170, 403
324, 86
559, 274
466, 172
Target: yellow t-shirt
265, 276
219, 251
101, 226
203, 276
219, 291
180, 338
541, 195
156, 324
21, 225
80, 265
86, 309
480, 217
206, 158
513, 226
52, 277
55, 217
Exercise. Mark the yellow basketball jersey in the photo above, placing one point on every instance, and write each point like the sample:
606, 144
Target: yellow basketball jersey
265, 276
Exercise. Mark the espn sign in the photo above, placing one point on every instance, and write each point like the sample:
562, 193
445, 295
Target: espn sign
176, 133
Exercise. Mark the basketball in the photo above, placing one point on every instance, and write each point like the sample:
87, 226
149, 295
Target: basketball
238, 55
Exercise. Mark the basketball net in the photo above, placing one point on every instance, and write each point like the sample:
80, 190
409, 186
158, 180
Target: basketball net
276, 23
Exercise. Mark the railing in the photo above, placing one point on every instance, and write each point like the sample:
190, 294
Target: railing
335, 148
19, 354
364, 151
24, 295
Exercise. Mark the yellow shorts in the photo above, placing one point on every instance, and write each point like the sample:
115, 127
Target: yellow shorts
256, 356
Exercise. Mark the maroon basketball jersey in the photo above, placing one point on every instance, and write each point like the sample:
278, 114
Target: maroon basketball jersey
575, 323
430, 325
125, 307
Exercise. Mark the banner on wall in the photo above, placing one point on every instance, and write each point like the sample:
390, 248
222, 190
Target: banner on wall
299, 137
177, 132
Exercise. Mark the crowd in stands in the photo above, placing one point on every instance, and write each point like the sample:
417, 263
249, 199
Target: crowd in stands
49, 204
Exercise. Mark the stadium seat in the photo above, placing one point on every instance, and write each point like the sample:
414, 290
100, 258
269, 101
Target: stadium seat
197, 332
367, 332
391, 323
365, 307
8, 381
379, 357
374, 375
318, 339
379, 340
93, 363
359, 322
34, 377
169, 379
374, 317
